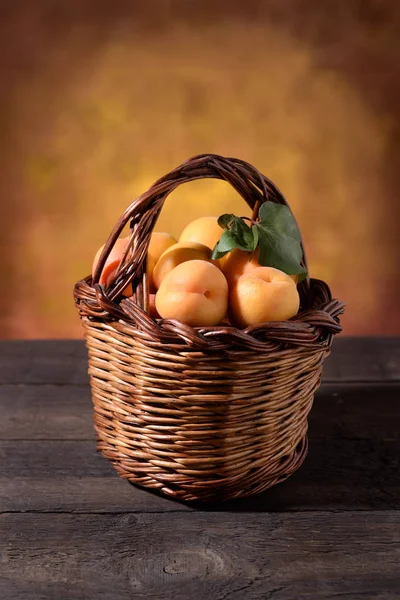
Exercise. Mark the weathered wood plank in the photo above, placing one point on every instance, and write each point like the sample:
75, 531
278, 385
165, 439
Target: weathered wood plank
46, 412
356, 411
71, 476
65, 361
258, 557
51, 412
67, 477
43, 361
364, 359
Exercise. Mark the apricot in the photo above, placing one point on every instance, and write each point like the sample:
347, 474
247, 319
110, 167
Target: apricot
195, 292
152, 307
237, 263
112, 263
295, 278
160, 241
204, 230
177, 254
264, 294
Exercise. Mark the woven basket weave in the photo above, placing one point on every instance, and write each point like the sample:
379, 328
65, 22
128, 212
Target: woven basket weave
204, 413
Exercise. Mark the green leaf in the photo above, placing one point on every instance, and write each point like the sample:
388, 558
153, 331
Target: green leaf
237, 234
225, 220
276, 234
254, 231
225, 244
279, 217
279, 239
242, 234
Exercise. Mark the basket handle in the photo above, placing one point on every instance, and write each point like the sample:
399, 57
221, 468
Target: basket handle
254, 187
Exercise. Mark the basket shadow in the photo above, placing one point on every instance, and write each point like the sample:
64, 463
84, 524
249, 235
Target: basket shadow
338, 474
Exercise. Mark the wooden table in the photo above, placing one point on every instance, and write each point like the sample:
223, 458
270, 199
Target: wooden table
72, 529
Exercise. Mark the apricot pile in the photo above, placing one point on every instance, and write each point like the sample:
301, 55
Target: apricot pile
187, 285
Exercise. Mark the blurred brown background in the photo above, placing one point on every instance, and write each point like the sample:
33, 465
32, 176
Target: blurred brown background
100, 98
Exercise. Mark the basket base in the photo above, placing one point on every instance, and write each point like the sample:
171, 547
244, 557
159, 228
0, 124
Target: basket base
217, 490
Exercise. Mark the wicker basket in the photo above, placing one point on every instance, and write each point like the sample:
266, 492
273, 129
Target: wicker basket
210, 413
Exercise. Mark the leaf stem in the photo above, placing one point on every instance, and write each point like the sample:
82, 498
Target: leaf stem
255, 211
249, 219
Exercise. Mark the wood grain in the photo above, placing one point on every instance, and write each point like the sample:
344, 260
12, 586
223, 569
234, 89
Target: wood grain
179, 556
71, 476
64, 412
364, 359
45, 411
65, 361
43, 361
356, 411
